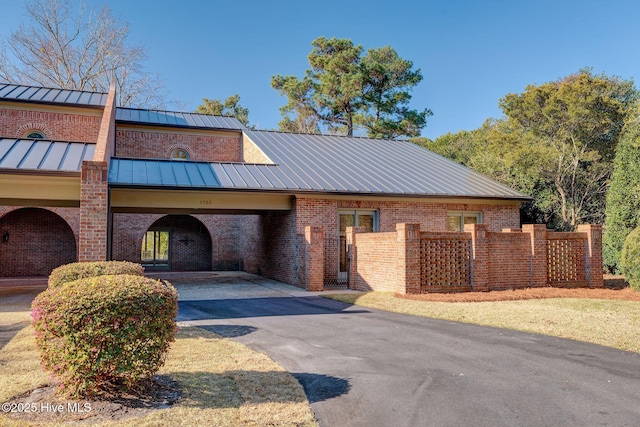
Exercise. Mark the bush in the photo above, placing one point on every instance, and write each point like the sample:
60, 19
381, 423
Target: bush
104, 333
80, 270
630, 259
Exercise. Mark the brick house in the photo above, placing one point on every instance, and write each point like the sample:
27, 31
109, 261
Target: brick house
82, 179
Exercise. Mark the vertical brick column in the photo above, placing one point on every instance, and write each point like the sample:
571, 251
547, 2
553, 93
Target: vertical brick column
594, 254
94, 209
479, 255
314, 245
352, 254
538, 235
408, 262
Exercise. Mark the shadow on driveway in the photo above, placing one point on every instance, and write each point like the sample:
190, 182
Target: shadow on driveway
322, 387
205, 386
230, 331
261, 307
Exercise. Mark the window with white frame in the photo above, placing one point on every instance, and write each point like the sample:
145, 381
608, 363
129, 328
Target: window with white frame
456, 220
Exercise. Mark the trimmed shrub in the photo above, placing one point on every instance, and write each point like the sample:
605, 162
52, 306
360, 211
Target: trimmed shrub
630, 259
80, 270
106, 333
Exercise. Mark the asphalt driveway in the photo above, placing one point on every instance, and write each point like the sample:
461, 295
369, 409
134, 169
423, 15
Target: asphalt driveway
363, 367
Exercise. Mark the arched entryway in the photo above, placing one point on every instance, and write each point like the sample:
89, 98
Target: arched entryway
33, 242
178, 243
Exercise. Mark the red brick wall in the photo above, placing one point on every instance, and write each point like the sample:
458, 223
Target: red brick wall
509, 260
377, 260
387, 262
251, 244
283, 254
227, 234
93, 212
159, 145
38, 241
70, 215
56, 126
430, 216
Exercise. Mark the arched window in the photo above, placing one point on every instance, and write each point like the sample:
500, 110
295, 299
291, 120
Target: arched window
179, 154
36, 134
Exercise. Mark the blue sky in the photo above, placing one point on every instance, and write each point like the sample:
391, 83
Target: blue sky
471, 53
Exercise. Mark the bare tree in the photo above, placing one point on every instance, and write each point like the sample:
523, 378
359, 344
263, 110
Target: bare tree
78, 49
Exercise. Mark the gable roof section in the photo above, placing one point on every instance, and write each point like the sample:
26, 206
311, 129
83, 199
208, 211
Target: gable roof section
177, 119
45, 156
372, 166
45, 95
320, 164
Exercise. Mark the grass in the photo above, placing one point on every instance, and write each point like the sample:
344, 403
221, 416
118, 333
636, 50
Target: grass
223, 382
609, 322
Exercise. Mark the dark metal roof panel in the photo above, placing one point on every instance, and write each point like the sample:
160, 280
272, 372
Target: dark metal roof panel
186, 174
179, 119
29, 154
51, 96
362, 165
161, 173
153, 173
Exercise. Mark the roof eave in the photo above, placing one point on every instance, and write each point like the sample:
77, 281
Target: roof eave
294, 191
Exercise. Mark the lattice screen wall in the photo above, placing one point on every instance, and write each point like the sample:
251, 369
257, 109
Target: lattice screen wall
566, 260
446, 263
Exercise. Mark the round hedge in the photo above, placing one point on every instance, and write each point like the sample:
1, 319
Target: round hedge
80, 270
104, 333
630, 259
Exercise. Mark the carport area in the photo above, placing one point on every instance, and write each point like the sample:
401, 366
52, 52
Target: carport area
223, 285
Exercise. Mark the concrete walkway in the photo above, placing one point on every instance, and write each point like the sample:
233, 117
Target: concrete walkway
193, 286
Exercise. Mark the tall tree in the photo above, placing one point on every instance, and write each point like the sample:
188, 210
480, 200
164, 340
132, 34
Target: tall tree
78, 49
345, 90
623, 198
386, 81
576, 122
228, 107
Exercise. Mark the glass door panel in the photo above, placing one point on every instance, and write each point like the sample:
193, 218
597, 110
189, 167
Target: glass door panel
155, 248
366, 220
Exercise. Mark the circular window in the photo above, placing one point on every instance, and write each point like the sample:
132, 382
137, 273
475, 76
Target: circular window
36, 134
180, 154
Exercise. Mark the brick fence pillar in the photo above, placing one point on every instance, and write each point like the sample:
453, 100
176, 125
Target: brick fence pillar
352, 254
479, 255
538, 236
594, 254
408, 261
314, 245
94, 211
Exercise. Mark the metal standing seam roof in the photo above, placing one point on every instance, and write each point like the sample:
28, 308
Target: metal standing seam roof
187, 174
179, 119
340, 164
51, 96
317, 163
37, 155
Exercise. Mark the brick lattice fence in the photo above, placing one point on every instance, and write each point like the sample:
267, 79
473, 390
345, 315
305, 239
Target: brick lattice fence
410, 261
